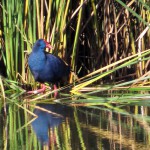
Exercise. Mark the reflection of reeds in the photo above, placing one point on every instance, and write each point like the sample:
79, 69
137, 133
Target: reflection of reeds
119, 129
116, 138
80, 130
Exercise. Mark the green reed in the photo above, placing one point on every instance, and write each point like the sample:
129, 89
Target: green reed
88, 34
106, 42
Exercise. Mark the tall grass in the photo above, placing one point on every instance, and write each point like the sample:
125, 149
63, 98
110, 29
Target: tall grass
87, 34
103, 42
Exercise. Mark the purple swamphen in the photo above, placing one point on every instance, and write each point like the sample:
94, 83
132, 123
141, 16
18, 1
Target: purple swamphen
46, 67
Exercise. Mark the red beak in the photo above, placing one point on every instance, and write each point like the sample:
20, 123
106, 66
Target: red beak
48, 45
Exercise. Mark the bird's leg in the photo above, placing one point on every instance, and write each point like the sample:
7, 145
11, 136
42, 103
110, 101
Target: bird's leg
55, 91
43, 87
52, 139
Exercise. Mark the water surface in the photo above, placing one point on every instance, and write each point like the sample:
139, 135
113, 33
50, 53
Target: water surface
56, 126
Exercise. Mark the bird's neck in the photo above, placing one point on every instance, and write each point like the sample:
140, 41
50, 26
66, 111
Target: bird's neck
38, 59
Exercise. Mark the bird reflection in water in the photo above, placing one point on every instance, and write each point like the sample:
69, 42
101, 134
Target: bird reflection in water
48, 120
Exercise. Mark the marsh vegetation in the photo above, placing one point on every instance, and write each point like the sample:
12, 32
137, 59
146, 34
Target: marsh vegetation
106, 43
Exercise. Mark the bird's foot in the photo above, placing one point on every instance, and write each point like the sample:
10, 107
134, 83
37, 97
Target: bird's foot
38, 91
43, 87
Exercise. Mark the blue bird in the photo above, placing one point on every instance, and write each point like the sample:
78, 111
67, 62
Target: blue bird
46, 67
49, 117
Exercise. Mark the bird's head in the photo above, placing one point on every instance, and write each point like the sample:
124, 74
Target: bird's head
41, 44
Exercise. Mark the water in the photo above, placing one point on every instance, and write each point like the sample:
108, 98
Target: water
75, 128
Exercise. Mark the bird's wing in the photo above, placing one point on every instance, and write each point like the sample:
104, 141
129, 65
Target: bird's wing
57, 64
